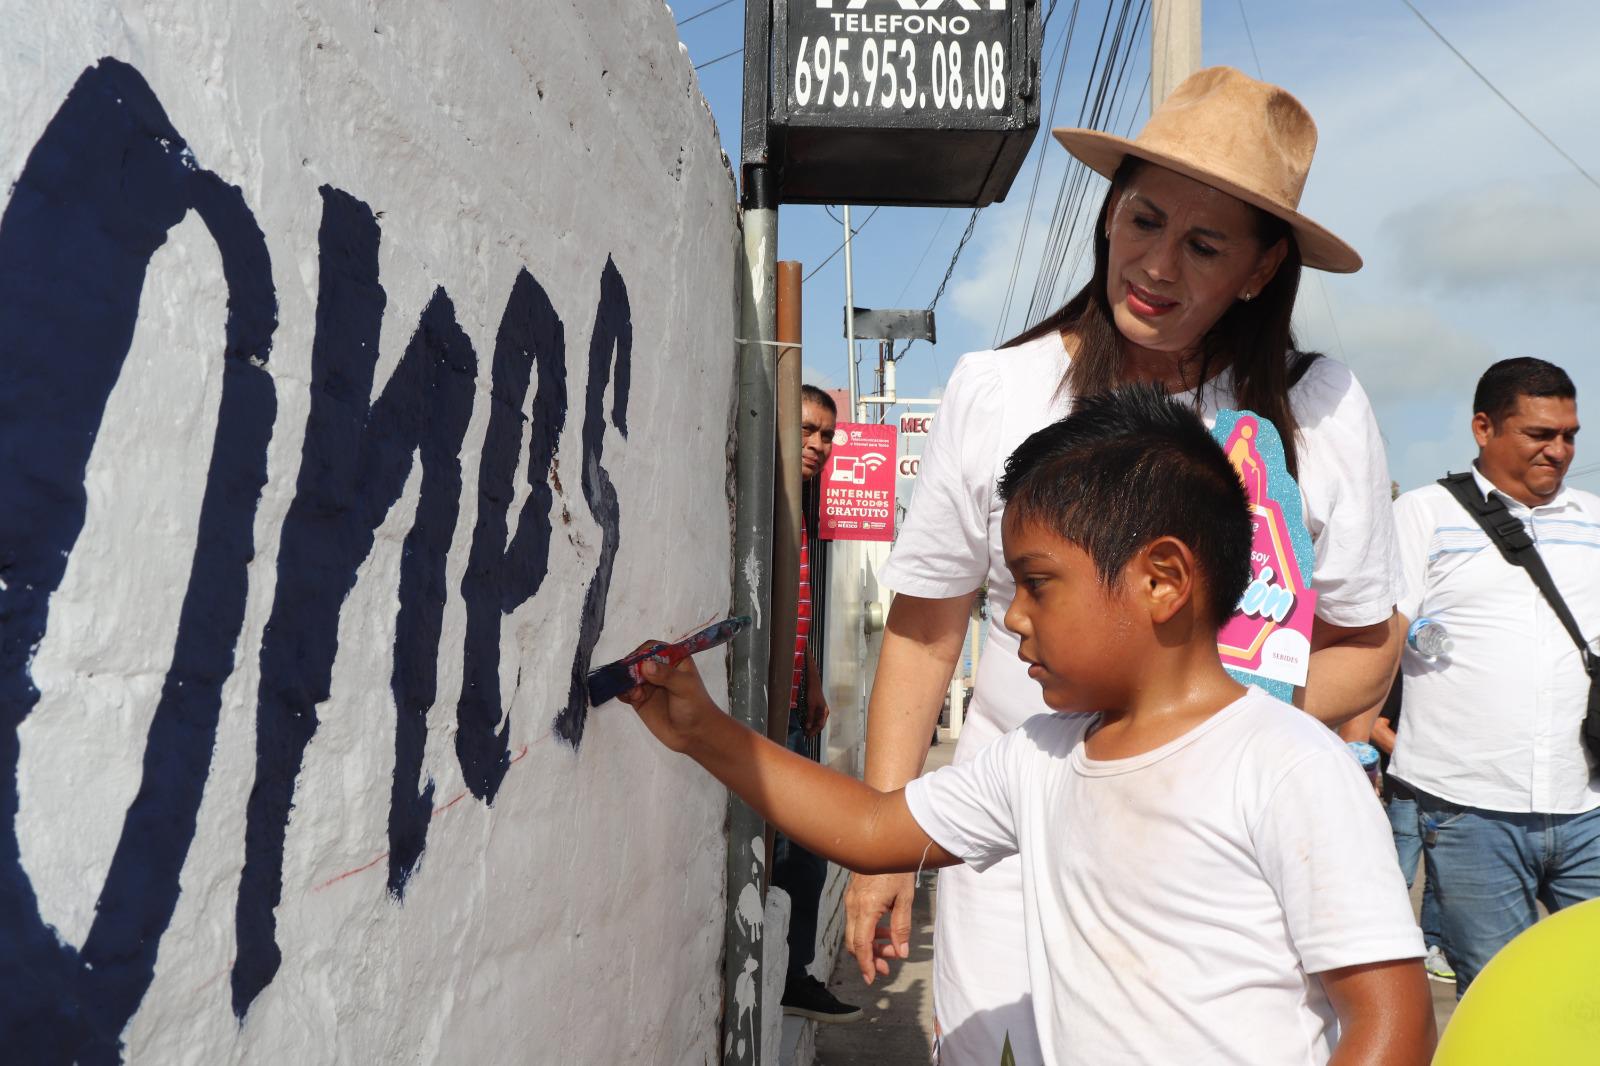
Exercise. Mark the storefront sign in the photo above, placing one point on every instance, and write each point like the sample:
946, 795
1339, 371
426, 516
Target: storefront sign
858, 483
899, 57
903, 101
916, 425
1267, 642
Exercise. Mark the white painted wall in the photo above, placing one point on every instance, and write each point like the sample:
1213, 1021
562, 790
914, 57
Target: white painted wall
579, 918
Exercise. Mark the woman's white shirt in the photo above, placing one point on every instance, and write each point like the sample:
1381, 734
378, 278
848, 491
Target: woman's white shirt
950, 544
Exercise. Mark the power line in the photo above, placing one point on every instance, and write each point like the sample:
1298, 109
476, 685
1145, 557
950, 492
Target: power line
725, 55
1252, 39
966, 235
839, 249
1038, 169
924, 256
1322, 287
1075, 173
707, 11
1503, 98
1103, 96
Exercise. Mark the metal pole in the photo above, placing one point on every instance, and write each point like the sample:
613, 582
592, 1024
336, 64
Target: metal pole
753, 428
883, 412
856, 410
785, 517
786, 506
1174, 45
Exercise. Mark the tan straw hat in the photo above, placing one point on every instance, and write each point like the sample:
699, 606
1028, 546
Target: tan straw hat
1241, 136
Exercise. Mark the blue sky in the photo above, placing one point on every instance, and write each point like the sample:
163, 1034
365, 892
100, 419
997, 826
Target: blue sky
1481, 242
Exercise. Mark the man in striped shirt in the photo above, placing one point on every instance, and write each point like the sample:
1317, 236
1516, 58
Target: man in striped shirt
1491, 741
795, 870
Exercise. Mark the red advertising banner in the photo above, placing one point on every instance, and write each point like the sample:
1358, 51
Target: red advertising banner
858, 483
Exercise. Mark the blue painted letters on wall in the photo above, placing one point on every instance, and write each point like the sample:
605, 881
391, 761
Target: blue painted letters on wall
106, 182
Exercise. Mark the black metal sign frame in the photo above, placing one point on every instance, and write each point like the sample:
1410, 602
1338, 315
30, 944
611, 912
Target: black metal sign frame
901, 69
912, 102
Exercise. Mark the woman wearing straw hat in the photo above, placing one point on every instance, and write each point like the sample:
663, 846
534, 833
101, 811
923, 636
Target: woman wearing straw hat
1198, 252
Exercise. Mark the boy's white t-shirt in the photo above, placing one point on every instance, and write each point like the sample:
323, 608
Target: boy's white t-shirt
1177, 902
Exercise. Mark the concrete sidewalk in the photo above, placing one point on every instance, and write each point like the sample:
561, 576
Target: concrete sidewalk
896, 1028
897, 1024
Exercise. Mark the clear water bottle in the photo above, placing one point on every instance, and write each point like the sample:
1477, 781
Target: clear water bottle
1429, 638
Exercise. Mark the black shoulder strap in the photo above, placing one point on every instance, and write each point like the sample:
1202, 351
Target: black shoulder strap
1507, 533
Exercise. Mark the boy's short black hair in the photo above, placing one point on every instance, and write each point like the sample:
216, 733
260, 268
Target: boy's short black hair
1509, 379
1129, 466
812, 394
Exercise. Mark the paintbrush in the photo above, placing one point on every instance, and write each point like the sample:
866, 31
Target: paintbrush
613, 679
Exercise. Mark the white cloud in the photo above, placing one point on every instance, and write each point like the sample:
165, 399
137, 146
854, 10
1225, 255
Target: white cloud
1425, 460
978, 291
810, 375
1401, 352
1536, 238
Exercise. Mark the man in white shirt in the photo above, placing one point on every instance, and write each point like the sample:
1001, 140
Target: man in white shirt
1508, 799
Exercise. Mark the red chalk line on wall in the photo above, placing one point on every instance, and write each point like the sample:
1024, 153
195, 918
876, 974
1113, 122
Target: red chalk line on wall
330, 882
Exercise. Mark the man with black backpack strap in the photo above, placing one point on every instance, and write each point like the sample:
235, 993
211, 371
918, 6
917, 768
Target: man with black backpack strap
1501, 674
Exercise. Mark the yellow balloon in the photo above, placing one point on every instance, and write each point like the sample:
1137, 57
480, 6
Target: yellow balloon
1537, 1003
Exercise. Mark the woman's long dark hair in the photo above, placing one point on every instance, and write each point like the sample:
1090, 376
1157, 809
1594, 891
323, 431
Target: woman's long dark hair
1254, 338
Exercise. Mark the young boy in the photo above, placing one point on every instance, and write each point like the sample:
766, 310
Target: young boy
1207, 875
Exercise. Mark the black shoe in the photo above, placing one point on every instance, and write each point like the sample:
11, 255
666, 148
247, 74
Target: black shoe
807, 997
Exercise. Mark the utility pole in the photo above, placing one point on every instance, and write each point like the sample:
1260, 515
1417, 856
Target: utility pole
756, 426
1174, 46
857, 413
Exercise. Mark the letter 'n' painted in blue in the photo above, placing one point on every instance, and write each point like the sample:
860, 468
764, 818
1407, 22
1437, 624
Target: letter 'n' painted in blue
499, 580
102, 187
354, 465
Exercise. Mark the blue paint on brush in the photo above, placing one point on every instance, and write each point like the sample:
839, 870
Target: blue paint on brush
613, 679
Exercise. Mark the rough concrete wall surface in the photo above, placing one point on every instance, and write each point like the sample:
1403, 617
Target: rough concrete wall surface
364, 378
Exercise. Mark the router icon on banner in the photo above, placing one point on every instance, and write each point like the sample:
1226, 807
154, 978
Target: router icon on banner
854, 471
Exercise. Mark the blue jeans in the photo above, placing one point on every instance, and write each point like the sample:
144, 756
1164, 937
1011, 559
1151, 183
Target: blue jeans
1408, 847
1489, 868
801, 874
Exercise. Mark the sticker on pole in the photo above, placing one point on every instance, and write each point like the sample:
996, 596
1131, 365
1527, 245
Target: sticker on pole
1267, 642
858, 483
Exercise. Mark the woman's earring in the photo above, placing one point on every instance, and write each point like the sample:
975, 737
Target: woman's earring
1247, 297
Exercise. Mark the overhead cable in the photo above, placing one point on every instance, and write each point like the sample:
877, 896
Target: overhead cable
839, 249
1102, 96
966, 235
1038, 169
1322, 286
1503, 98
707, 11
1251, 38
1080, 210
924, 256
725, 55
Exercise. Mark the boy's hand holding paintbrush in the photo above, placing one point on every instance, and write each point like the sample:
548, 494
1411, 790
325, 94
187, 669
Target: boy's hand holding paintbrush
826, 812
672, 701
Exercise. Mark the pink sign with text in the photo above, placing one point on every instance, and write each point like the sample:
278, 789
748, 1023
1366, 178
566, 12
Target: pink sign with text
858, 483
